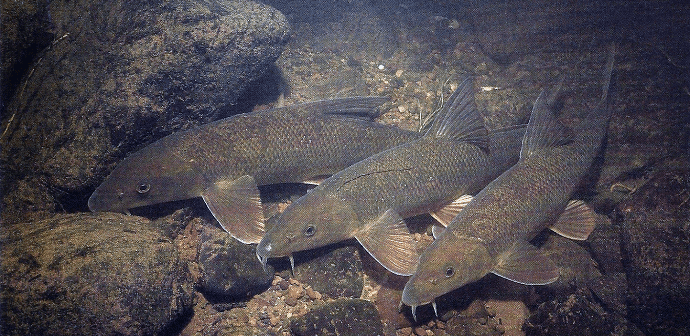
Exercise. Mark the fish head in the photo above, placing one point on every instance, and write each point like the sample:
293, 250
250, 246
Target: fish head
143, 179
448, 263
315, 220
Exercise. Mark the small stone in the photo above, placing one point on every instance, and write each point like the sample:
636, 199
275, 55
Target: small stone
283, 284
398, 73
402, 108
312, 294
407, 331
274, 320
295, 292
420, 331
290, 301
440, 325
276, 280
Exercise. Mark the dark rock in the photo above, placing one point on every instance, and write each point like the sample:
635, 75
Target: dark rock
655, 240
611, 289
605, 245
474, 320
577, 314
123, 73
574, 262
387, 303
339, 317
230, 269
334, 271
25, 32
92, 274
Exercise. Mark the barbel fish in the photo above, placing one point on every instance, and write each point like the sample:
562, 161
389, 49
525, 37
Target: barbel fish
223, 162
492, 233
369, 199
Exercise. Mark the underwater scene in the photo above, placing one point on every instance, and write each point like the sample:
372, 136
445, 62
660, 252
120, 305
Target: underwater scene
345, 167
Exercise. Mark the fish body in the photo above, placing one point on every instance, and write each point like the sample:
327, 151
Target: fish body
225, 161
492, 232
368, 200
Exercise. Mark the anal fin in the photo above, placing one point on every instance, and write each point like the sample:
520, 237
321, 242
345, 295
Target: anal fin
236, 205
389, 241
525, 264
576, 222
446, 214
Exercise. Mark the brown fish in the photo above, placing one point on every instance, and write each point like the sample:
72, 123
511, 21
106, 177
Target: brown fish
369, 199
492, 233
224, 161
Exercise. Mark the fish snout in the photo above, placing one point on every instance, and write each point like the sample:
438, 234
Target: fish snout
95, 202
101, 201
263, 252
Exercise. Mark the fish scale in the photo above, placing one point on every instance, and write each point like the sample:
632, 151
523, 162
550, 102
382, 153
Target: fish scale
492, 233
369, 199
225, 161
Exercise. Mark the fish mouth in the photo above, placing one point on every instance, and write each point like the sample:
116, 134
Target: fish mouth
410, 297
263, 252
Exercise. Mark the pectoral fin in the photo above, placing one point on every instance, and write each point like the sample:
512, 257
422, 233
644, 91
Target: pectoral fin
236, 204
446, 214
389, 241
525, 264
576, 222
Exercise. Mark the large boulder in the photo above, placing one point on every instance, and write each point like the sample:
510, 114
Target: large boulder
119, 75
89, 274
230, 269
656, 250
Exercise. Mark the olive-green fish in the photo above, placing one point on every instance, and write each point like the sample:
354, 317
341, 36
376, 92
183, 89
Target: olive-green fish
492, 233
369, 199
224, 161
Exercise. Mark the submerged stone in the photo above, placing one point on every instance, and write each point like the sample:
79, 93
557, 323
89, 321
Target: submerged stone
121, 74
89, 274
230, 268
339, 317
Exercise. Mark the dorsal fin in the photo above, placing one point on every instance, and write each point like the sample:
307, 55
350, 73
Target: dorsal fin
353, 107
543, 130
459, 118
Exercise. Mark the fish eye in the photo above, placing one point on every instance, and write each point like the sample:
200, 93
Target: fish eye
309, 231
143, 188
449, 272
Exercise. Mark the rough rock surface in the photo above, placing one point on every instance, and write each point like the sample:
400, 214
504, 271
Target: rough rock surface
339, 317
119, 75
86, 274
655, 223
578, 312
230, 269
26, 31
332, 271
